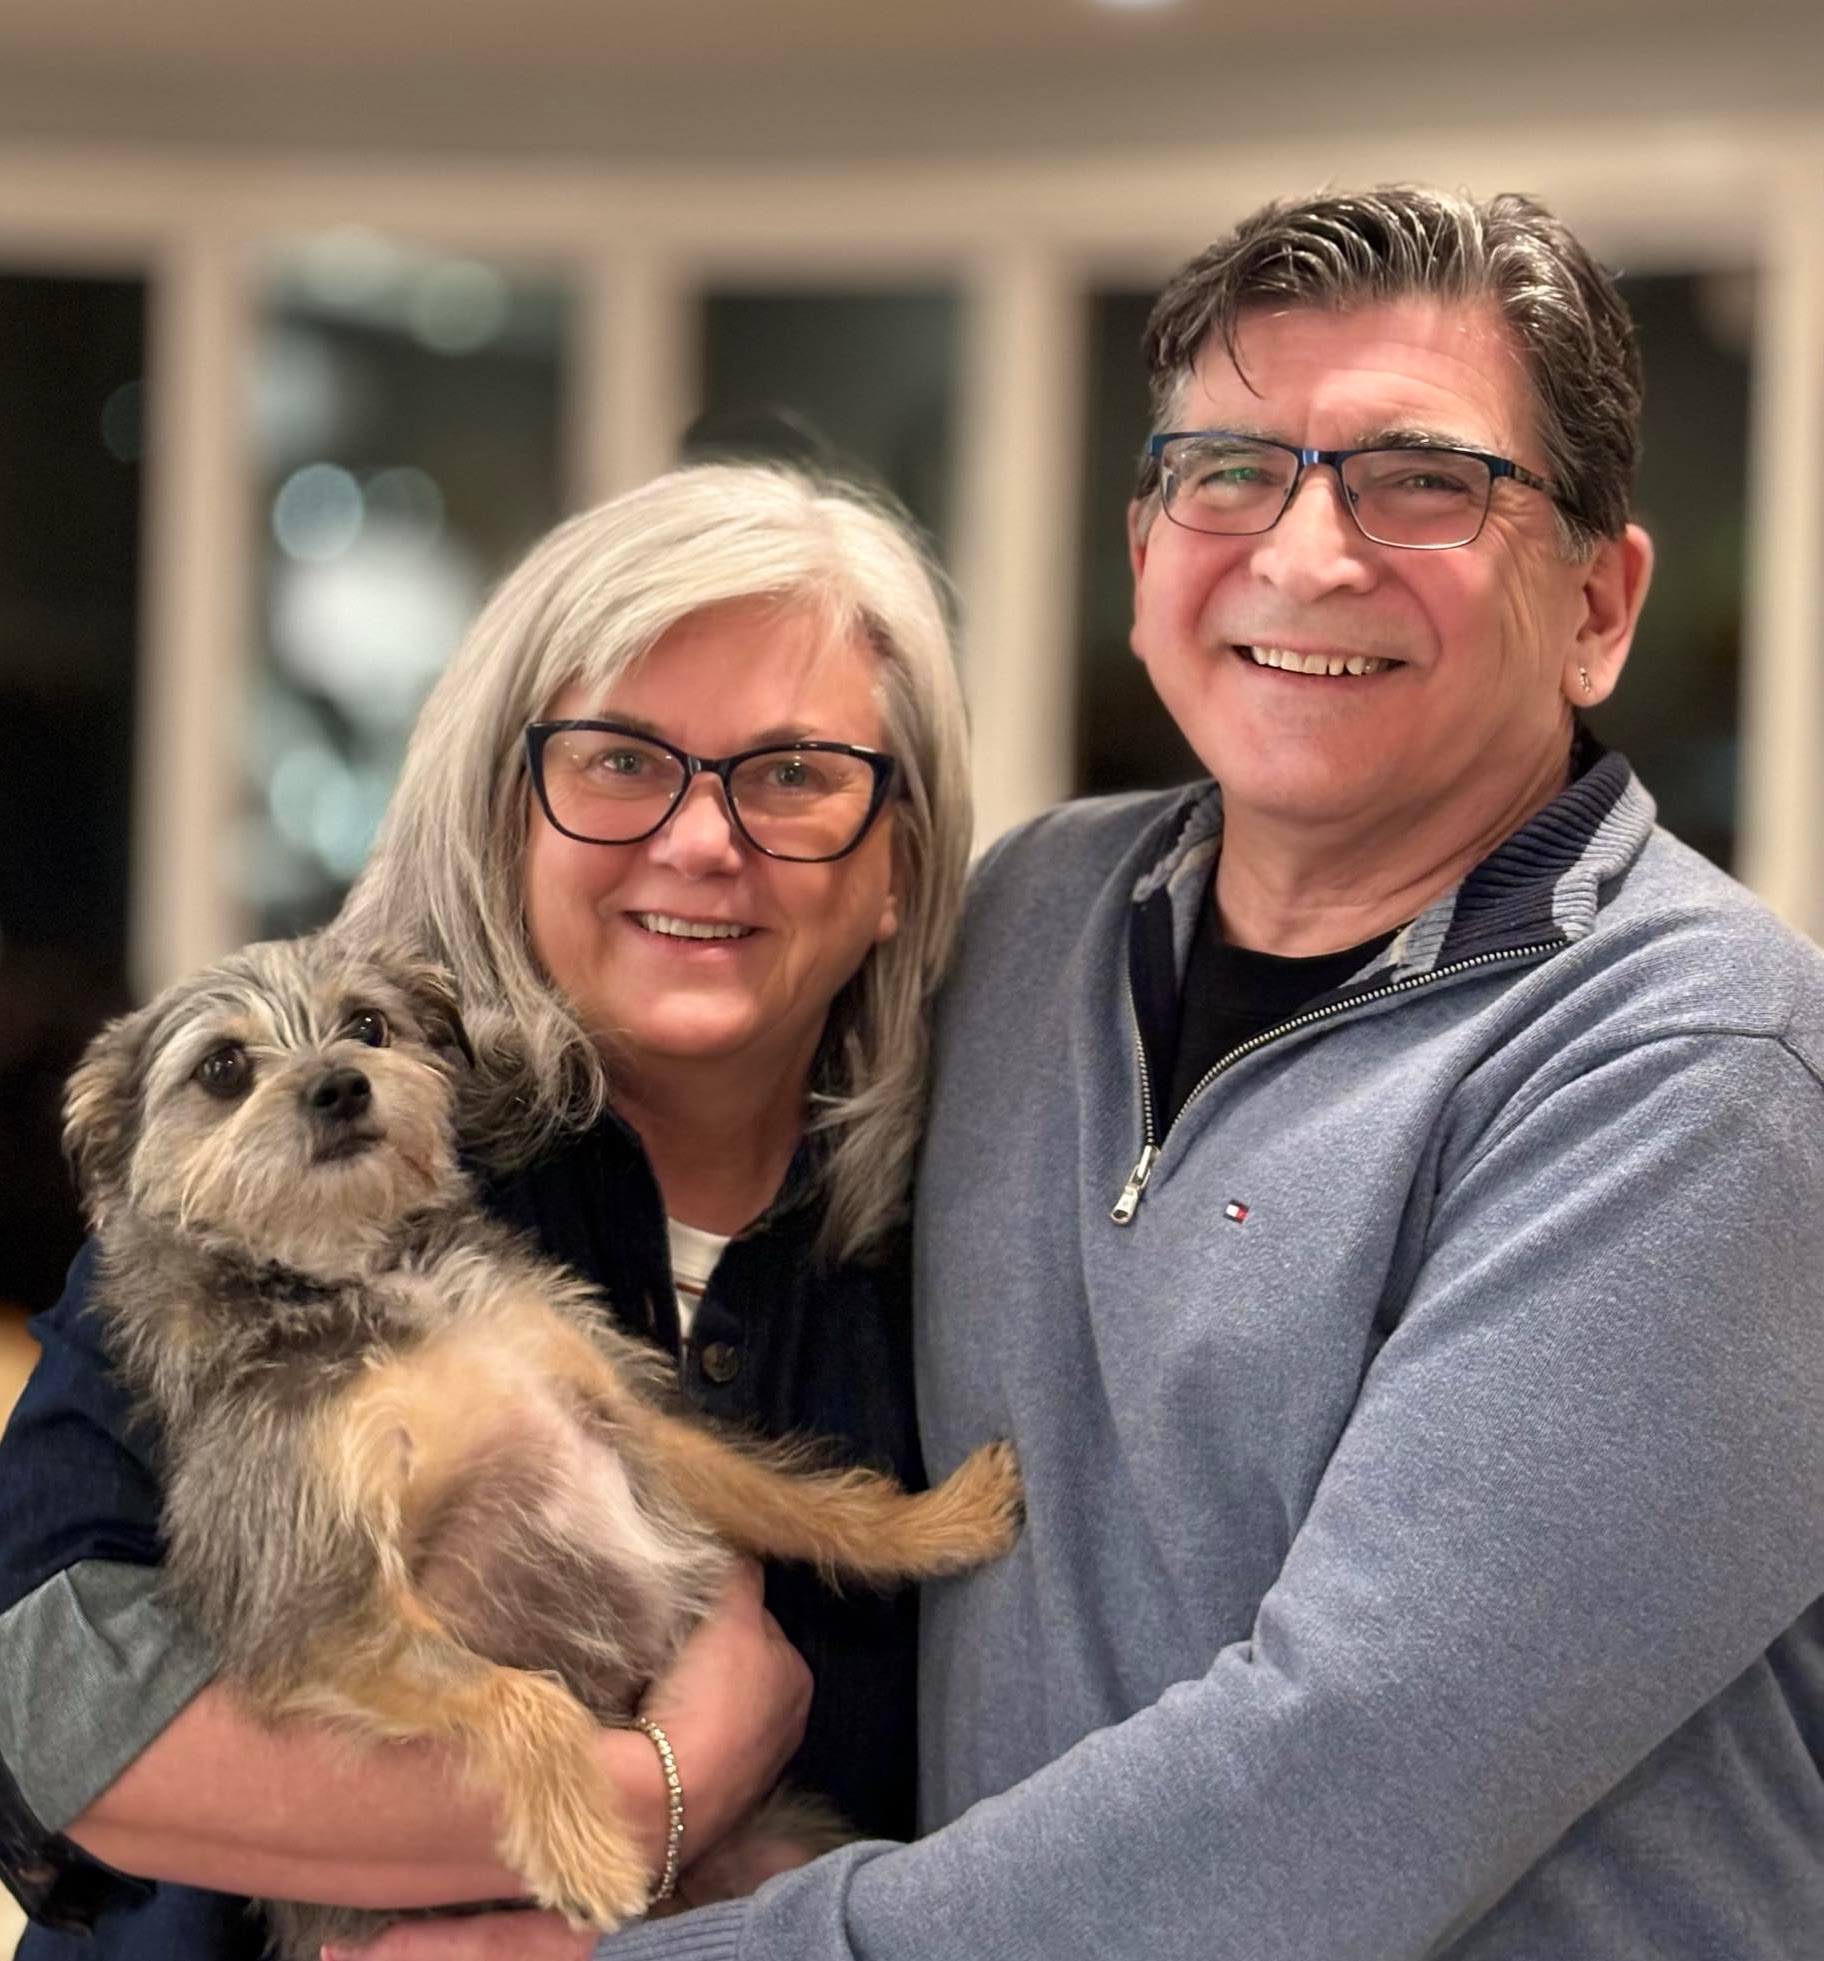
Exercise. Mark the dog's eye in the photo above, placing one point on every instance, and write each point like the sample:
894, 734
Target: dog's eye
225, 1072
370, 1027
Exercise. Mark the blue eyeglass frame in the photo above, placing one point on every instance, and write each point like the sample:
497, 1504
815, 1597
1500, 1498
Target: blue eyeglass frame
1497, 467
885, 769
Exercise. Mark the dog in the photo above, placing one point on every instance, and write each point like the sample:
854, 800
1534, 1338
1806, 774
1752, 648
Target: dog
416, 1484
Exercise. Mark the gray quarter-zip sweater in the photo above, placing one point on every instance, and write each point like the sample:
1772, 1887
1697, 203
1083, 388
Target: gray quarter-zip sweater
1426, 1483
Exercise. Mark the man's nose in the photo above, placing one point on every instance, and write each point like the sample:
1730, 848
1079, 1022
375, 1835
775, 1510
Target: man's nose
1315, 547
700, 835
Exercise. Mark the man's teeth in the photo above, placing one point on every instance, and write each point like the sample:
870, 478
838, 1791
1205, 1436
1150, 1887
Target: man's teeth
1291, 663
690, 929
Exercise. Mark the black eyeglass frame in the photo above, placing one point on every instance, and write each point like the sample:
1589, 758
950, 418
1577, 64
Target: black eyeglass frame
1497, 467
885, 770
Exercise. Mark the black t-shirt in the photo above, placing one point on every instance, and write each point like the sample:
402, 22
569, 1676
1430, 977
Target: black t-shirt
1230, 994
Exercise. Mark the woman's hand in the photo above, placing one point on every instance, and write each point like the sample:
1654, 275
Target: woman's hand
734, 1707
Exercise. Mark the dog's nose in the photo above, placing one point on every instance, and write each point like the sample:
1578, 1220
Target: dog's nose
339, 1096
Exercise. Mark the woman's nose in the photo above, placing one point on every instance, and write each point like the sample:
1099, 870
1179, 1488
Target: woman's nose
700, 835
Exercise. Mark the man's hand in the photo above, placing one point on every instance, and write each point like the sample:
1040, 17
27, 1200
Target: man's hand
734, 1707
475, 1937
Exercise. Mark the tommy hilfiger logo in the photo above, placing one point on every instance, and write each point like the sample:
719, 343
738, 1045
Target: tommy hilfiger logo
1235, 1212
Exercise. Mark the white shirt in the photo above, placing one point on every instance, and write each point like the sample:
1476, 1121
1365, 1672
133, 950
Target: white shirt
694, 1254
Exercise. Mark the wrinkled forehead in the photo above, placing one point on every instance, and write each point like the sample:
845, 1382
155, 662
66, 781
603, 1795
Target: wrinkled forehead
1448, 369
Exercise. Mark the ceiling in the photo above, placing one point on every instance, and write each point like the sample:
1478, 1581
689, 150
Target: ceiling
721, 78
339, 34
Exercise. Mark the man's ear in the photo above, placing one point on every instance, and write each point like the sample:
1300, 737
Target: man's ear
101, 1111
1614, 588
1142, 514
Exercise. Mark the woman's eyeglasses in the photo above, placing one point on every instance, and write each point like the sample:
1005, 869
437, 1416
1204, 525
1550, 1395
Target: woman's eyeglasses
605, 783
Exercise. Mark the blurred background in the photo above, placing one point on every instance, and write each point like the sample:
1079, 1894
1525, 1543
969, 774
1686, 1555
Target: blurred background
311, 318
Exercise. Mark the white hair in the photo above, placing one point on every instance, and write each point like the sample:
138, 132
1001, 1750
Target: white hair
447, 874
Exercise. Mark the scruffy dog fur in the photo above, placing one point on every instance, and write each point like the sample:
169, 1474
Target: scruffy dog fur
416, 1484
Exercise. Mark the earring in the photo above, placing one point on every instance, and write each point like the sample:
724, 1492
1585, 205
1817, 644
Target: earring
1583, 676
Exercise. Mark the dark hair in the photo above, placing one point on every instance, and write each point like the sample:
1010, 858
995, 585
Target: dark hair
1343, 249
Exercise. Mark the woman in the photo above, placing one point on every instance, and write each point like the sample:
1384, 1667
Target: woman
687, 817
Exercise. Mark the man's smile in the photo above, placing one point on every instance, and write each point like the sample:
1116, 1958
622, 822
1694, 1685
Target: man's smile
1289, 661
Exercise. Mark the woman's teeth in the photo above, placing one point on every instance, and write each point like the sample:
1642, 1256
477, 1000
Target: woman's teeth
690, 929
1291, 663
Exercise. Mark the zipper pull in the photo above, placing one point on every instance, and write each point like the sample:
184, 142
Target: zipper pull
1129, 1201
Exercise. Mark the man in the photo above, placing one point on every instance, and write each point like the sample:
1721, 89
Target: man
1381, 1198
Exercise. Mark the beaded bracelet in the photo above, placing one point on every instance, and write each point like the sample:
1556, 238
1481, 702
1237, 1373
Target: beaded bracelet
674, 1808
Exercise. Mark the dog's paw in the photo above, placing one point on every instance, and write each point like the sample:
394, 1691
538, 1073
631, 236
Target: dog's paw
581, 1864
595, 1902
981, 1505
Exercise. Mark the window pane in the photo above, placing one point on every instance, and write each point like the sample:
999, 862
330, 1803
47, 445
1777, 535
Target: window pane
1676, 714
407, 415
71, 357
1125, 739
861, 382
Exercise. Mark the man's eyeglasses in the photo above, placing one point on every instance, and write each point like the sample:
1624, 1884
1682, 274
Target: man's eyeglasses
604, 783
1420, 497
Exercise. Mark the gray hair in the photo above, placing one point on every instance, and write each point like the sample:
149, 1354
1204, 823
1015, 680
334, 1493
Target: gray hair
447, 874
1343, 249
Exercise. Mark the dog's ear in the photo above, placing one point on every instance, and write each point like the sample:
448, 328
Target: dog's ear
101, 1110
431, 989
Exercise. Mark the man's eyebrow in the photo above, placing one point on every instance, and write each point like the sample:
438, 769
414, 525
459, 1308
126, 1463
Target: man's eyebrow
1413, 435
1388, 435
1249, 431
